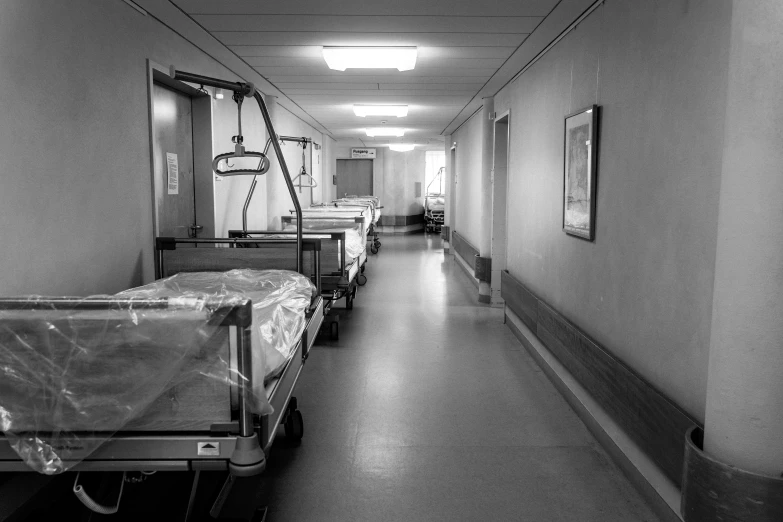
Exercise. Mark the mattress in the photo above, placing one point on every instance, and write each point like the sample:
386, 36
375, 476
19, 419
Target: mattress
280, 299
354, 238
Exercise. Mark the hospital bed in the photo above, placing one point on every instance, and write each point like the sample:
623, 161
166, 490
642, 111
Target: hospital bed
155, 379
372, 205
179, 369
347, 258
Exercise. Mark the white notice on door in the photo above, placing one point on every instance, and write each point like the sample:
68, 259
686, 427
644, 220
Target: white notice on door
173, 173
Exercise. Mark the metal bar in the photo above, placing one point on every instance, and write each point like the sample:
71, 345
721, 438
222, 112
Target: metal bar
317, 261
244, 381
293, 138
252, 189
235, 240
286, 175
247, 89
244, 89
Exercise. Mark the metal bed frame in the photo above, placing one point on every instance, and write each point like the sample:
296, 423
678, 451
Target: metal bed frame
240, 446
335, 284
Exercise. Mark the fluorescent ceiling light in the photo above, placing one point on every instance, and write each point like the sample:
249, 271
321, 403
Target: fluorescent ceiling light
342, 58
402, 147
385, 131
380, 110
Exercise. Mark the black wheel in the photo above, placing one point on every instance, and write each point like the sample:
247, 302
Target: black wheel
374, 249
335, 331
294, 425
360, 278
349, 301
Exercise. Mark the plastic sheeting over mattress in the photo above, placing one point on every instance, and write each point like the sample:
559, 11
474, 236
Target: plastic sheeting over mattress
73, 373
280, 298
354, 239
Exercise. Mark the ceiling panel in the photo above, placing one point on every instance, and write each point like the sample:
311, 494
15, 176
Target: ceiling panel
314, 51
379, 24
271, 72
371, 7
317, 63
364, 38
363, 79
380, 92
466, 49
471, 87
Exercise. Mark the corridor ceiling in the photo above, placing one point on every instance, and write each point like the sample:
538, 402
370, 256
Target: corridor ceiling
467, 50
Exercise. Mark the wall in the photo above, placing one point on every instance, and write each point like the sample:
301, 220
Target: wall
231, 192
466, 214
76, 197
402, 170
643, 288
278, 198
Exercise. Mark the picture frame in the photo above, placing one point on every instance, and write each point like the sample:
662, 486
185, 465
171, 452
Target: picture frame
580, 165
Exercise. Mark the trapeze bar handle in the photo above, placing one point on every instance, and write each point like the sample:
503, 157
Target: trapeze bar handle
240, 152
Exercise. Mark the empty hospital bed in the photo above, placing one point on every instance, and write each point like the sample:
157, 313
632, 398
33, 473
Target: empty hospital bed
166, 377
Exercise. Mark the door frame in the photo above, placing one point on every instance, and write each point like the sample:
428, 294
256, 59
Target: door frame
203, 180
500, 182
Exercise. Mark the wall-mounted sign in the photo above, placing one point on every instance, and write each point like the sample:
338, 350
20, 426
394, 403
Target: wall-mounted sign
363, 153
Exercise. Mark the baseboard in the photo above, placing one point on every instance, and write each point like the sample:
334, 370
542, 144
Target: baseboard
660, 492
403, 230
467, 269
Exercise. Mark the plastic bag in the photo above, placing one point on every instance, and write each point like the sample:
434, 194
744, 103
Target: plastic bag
73, 374
354, 239
280, 298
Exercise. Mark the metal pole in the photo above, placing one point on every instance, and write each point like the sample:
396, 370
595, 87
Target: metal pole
252, 190
247, 89
245, 381
286, 175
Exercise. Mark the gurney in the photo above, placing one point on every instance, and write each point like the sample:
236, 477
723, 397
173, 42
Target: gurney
134, 383
374, 204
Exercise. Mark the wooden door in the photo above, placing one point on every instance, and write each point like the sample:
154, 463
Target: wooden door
172, 149
354, 177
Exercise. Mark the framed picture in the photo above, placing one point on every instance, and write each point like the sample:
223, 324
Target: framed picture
581, 152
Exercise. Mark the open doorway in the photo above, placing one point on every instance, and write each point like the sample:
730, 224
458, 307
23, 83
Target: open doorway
499, 205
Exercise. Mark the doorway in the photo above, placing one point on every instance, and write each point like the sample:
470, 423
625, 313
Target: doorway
172, 160
354, 177
499, 206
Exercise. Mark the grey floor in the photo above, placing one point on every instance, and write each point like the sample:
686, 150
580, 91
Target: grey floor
427, 408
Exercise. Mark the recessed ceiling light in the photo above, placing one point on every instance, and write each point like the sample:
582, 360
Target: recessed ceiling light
401, 147
342, 58
385, 131
380, 110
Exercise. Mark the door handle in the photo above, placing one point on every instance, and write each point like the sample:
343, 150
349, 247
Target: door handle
195, 229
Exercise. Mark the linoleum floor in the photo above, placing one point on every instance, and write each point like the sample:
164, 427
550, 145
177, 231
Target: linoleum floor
427, 408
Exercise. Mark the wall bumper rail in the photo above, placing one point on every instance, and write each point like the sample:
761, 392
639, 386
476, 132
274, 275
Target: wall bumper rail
713, 490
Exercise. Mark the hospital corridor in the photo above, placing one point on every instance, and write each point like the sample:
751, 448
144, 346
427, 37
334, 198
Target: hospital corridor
361, 260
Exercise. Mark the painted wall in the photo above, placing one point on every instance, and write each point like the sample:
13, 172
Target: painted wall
279, 201
402, 170
643, 288
231, 192
466, 214
75, 143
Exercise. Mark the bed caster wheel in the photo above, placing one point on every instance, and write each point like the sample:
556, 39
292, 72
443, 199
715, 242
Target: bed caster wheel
374, 249
361, 280
294, 425
334, 332
349, 302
